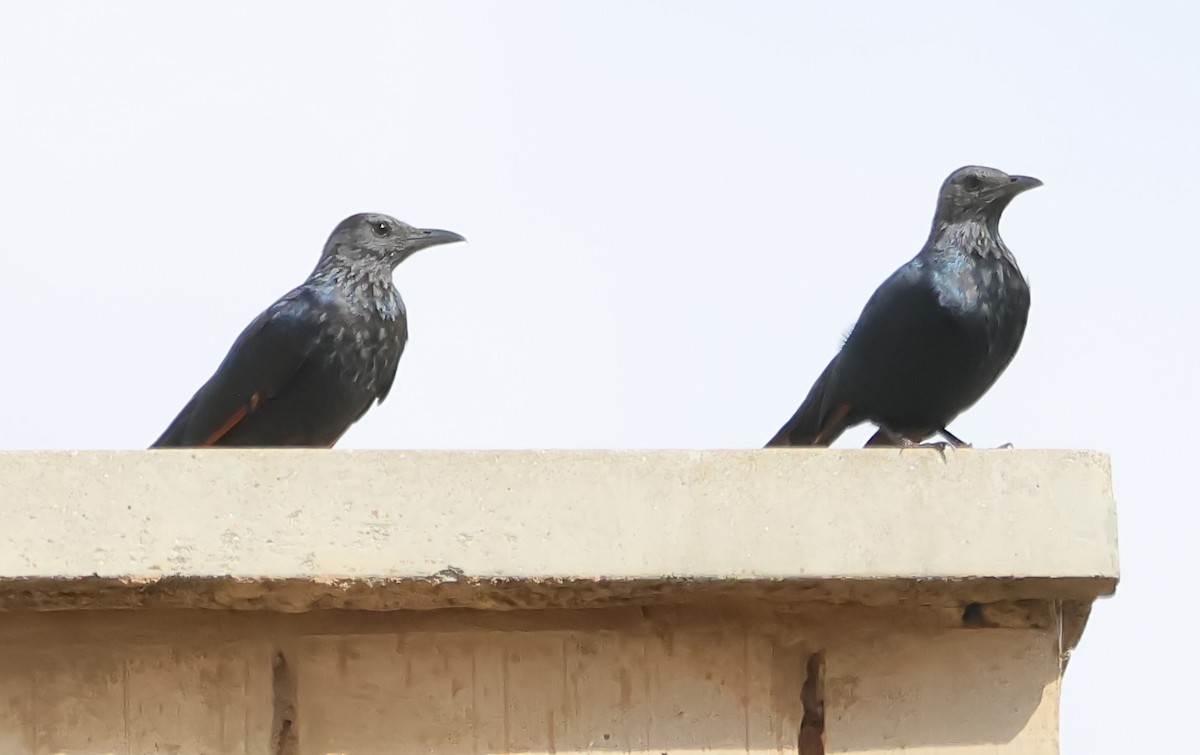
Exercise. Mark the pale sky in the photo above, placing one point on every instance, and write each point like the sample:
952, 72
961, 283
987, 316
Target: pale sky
675, 210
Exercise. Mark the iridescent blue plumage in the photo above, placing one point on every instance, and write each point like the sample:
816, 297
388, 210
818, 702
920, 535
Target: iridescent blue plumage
936, 334
313, 363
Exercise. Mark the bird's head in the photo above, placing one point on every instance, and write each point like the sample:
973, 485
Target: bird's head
978, 193
373, 238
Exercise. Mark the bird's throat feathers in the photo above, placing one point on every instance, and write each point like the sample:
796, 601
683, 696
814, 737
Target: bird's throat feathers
360, 285
976, 236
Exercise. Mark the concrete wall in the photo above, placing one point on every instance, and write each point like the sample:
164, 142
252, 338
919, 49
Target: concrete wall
812, 609
725, 678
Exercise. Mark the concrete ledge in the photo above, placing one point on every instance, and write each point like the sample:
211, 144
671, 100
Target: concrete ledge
294, 530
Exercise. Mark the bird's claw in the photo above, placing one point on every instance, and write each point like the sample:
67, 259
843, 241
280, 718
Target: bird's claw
896, 439
938, 445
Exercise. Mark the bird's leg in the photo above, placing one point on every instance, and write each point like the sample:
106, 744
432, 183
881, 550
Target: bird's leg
886, 436
959, 443
954, 439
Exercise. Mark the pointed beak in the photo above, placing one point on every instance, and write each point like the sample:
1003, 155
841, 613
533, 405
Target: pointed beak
427, 237
1018, 184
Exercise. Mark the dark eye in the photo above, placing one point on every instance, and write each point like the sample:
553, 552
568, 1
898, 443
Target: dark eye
972, 183
380, 228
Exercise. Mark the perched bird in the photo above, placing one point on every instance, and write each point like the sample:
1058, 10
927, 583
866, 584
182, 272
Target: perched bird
313, 363
936, 335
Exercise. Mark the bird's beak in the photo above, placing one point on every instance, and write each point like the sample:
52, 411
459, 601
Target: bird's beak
1018, 184
426, 237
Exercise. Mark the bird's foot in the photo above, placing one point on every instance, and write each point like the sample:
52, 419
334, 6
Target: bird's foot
893, 438
941, 446
886, 436
960, 444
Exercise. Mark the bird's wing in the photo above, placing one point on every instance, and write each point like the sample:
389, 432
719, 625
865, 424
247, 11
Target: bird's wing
827, 411
263, 360
877, 340
904, 289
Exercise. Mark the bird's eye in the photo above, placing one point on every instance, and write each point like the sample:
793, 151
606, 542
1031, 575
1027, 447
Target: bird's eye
972, 183
381, 228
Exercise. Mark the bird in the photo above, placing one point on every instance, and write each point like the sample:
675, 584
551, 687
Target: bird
317, 359
936, 335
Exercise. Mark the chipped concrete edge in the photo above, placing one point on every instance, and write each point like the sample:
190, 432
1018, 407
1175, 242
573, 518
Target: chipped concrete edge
461, 591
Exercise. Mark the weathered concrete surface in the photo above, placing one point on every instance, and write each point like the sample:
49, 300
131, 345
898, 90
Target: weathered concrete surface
731, 602
721, 678
293, 530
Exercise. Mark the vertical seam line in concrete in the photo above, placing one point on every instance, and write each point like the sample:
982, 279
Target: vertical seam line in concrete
285, 732
811, 740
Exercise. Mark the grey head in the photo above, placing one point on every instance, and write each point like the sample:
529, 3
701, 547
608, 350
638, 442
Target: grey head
374, 240
978, 194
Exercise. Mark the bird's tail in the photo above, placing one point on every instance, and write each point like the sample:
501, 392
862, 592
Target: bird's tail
815, 423
173, 436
